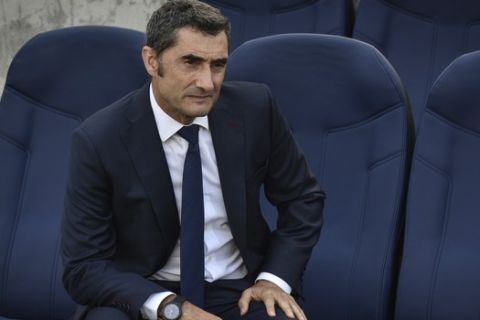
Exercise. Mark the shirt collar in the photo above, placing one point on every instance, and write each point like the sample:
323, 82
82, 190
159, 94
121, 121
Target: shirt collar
167, 126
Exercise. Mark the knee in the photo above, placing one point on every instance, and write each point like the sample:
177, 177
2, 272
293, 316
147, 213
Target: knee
102, 313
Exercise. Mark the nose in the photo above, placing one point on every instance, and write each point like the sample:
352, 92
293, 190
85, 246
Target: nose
205, 80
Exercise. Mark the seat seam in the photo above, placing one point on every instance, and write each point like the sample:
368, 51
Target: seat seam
439, 253
53, 278
13, 142
366, 121
13, 234
452, 124
43, 106
407, 12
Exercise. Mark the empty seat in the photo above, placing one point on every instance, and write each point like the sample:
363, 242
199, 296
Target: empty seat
419, 38
440, 273
252, 18
57, 79
348, 111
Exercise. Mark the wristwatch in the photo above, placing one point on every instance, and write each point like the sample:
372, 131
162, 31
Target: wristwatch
171, 310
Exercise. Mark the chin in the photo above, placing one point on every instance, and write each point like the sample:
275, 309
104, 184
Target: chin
200, 110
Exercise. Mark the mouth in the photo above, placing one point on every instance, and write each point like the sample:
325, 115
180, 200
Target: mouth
200, 98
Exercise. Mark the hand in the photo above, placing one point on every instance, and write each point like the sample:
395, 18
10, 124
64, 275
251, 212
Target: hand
192, 312
270, 294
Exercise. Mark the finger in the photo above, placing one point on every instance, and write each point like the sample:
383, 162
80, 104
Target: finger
270, 306
244, 301
299, 314
286, 306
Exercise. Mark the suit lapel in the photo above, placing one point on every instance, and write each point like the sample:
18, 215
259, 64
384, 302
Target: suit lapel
146, 151
145, 148
228, 140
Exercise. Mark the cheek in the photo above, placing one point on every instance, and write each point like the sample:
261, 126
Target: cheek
218, 79
185, 82
177, 88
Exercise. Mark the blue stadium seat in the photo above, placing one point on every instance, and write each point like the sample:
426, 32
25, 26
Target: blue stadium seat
419, 38
440, 273
253, 18
348, 111
56, 79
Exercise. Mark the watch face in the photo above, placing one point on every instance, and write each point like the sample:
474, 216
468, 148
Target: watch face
171, 311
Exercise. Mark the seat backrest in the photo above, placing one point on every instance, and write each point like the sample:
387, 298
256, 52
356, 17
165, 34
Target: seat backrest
252, 18
419, 38
440, 272
57, 79
347, 110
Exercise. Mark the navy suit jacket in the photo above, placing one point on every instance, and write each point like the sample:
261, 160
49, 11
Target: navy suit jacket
121, 222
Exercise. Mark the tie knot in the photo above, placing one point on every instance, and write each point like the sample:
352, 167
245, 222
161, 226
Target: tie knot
190, 133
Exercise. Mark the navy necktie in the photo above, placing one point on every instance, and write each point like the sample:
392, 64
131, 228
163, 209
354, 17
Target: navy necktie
192, 262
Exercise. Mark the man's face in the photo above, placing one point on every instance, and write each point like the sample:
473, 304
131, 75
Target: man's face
187, 77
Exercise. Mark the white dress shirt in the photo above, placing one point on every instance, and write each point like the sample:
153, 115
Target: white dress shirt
222, 257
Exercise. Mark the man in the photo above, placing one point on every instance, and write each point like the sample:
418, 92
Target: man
131, 232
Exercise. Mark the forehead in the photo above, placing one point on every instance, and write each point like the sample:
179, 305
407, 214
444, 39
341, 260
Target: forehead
192, 41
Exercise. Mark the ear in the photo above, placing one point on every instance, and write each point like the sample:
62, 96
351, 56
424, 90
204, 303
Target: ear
150, 60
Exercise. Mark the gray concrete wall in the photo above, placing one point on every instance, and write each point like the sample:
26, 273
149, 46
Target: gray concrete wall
20, 20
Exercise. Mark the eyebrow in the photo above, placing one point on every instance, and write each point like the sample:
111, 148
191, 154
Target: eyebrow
221, 60
198, 59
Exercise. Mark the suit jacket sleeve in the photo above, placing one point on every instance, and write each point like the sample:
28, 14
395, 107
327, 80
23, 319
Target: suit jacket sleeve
89, 237
292, 188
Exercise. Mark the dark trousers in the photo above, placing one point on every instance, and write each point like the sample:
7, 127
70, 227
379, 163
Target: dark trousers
221, 299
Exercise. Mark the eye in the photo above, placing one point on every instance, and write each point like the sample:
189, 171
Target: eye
218, 66
189, 61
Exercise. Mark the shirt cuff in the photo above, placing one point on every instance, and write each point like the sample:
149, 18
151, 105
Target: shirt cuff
273, 278
150, 307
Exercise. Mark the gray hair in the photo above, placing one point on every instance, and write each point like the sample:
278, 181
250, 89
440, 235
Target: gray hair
175, 14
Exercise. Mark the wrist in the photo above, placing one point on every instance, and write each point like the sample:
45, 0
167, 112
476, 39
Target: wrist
171, 308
